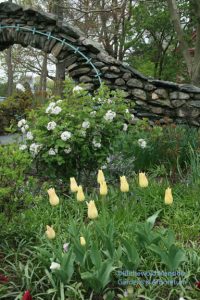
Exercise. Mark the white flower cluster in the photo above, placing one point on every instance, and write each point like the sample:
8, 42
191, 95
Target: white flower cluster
22, 147
142, 143
96, 144
77, 89
125, 127
53, 109
83, 133
93, 113
86, 124
53, 151
51, 125
59, 101
66, 135
35, 149
23, 125
29, 136
110, 115
68, 150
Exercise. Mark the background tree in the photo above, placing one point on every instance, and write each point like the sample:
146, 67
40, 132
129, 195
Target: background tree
192, 60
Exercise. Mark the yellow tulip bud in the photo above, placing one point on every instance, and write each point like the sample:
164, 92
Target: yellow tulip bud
143, 181
92, 210
103, 188
168, 196
53, 198
82, 241
73, 185
100, 176
124, 186
80, 195
50, 233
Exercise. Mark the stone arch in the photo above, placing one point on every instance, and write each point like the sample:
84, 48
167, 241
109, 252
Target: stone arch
87, 62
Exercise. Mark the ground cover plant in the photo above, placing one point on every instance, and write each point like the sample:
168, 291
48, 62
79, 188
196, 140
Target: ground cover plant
99, 208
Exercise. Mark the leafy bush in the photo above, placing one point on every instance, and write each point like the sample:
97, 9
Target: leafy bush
15, 186
13, 108
147, 148
76, 134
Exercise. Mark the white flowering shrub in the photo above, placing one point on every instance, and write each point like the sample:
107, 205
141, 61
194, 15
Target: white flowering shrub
77, 132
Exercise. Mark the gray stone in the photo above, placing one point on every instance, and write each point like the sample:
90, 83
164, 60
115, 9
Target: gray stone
182, 113
162, 93
157, 110
119, 81
194, 103
104, 69
179, 95
196, 97
80, 71
134, 83
91, 45
195, 123
189, 88
178, 103
141, 103
70, 60
89, 86
194, 113
139, 94
85, 78
99, 64
162, 102
115, 69
111, 75
126, 76
73, 66
164, 84
149, 87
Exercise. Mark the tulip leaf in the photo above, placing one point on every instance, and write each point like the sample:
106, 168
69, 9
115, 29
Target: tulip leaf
99, 278
67, 267
151, 220
95, 256
171, 257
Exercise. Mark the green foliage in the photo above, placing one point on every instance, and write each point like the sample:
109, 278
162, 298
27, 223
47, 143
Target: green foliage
13, 108
15, 187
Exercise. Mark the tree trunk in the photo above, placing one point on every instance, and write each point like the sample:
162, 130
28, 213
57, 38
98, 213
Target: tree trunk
60, 77
196, 60
183, 45
57, 9
43, 77
9, 71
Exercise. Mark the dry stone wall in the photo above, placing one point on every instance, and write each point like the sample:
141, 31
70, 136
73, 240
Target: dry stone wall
155, 99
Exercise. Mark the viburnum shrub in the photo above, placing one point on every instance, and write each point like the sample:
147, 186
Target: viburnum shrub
76, 133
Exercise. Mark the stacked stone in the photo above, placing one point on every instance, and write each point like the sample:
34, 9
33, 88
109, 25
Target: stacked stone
157, 100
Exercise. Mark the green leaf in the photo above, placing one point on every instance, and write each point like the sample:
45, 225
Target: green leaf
151, 220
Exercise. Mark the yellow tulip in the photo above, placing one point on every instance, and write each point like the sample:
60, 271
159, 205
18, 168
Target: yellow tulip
82, 241
73, 185
124, 186
100, 176
143, 181
53, 198
168, 196
92, 210
80, 195
50, 233
103, 188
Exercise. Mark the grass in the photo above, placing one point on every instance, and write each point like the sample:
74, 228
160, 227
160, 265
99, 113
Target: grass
26, 270
121, 238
